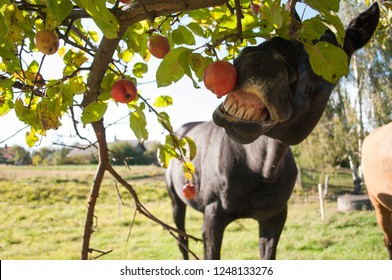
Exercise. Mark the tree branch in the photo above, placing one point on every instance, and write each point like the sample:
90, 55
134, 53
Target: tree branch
131, 13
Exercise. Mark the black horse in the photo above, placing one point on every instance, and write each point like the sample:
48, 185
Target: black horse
244, 166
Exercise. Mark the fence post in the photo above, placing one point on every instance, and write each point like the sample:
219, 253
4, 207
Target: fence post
321, 197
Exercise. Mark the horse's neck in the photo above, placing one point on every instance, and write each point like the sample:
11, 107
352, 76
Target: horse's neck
267, 155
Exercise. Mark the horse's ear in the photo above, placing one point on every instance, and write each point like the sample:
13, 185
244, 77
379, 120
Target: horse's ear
361, 29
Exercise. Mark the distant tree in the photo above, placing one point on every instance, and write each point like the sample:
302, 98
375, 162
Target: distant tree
360, 103
21, 156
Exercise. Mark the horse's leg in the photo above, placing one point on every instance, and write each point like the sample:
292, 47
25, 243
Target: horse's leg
179, 210
269, 234
384, 220
214, 225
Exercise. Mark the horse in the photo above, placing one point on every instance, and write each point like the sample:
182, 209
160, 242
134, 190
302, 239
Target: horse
377, 173
244, 167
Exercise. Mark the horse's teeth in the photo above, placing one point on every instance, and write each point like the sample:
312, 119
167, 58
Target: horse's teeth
233, 108
249, 113
240, 112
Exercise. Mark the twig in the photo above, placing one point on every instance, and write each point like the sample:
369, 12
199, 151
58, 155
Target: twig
9, 137
99, 251
131, 225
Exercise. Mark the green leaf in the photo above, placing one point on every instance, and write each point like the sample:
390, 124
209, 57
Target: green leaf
58, 10
105, 20
6, 103
183, 35
27, 115
170, 69
328, 61
324, 6
196, 29
270, 11
164, 120
312, 29
163, 101
139, 69
94, 112
192, 147
166, 153
138, 124
198, 64
333, 22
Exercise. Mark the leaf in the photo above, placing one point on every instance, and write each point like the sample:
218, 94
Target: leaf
94, 35
333, 22
183, 35
198, 64
163, 101
188, 169
105, 20
49, 118
31, 137
196, 29
138, 123
164, 120
94, 112
27, 115
192, 147
328, 61
126, 56
58, 10
170, 69
271, 12
6, 103
324, 6
139, 69
165, 153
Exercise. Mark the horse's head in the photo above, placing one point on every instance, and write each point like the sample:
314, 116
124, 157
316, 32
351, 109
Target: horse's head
277, 93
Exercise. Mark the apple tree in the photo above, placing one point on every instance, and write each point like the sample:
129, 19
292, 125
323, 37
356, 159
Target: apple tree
104, 41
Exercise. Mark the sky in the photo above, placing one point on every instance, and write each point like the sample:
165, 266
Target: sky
190, 104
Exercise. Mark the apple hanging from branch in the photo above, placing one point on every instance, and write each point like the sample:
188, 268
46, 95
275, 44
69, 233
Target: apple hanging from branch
158, 46
189, 191
123, 91
46, 41
220, 77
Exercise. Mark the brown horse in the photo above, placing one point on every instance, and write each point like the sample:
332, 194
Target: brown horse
377, 172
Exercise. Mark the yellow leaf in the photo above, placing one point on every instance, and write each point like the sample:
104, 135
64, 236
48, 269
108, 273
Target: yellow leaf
62, 51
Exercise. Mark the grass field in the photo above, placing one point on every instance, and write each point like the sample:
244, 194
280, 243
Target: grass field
43, 211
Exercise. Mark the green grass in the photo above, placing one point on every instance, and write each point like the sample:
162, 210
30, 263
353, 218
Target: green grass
43, 211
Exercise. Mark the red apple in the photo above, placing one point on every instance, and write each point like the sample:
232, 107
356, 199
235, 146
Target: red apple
123, 91
255, 8
220, 77
158, 46
46, 41
189, 191
125, 1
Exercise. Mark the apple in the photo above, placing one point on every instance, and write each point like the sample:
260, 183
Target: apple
189, 191
158, 46
123, 91
125, 1
255, 8
220, 77
46, 41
